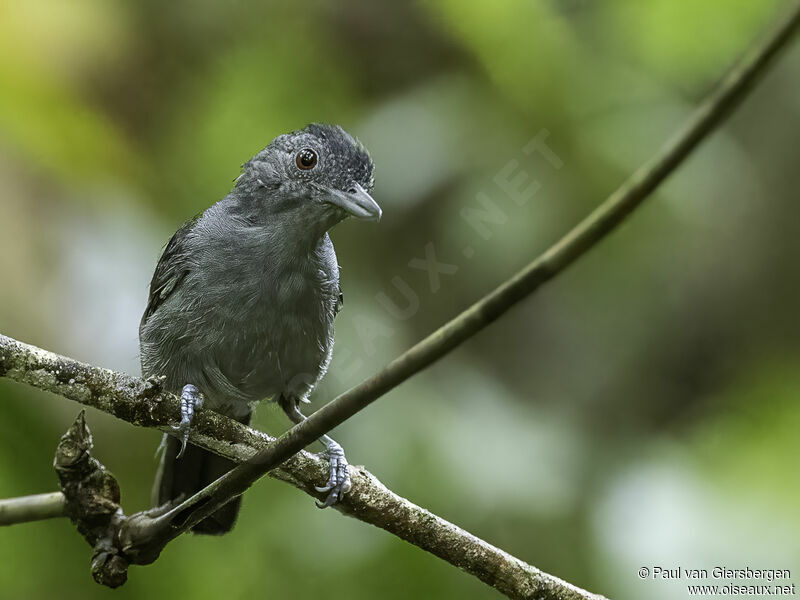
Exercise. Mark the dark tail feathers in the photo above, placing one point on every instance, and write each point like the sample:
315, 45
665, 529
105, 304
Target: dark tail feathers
189, 474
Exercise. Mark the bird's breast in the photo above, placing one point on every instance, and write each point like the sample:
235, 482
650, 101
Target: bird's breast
282, 338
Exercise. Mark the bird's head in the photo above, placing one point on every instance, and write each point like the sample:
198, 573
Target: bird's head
319, 175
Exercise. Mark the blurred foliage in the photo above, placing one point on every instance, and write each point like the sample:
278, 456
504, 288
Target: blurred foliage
641, 410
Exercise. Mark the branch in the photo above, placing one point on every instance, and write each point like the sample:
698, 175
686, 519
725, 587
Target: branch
32, 508
143, 403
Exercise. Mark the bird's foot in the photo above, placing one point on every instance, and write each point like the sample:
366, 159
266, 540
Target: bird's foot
191, 400
339, 481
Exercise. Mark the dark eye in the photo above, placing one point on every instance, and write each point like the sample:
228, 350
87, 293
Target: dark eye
306, 159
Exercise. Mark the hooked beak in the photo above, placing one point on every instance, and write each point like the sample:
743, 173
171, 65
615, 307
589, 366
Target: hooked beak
356, 202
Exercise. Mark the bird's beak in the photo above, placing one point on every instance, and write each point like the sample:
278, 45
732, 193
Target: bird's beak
357, 202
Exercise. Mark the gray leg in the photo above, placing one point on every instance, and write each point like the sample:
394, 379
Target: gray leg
191, 400
339, 480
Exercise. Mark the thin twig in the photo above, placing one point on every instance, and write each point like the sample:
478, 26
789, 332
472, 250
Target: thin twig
32, 508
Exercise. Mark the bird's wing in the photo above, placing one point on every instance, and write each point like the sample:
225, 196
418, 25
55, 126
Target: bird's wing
170, 271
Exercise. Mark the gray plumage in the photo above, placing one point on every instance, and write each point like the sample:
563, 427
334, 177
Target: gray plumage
243, 299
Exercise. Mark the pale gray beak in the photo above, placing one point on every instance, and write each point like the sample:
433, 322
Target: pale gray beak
357, 202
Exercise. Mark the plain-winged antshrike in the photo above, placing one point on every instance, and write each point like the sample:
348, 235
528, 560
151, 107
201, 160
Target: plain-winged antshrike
244, 296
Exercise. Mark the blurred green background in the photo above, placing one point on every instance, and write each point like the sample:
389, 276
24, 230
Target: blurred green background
641, 410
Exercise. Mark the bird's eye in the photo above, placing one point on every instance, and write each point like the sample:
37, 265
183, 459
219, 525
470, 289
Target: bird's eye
306, 159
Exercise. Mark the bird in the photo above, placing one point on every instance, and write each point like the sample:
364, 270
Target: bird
242, 302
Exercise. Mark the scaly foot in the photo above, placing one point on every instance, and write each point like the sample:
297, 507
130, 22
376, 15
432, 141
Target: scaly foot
339, 480
191, 400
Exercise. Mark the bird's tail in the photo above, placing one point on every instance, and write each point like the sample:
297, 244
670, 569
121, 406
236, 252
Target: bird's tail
189, 474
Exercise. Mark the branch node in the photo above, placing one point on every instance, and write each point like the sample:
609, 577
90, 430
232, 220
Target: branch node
92, 501
109, 565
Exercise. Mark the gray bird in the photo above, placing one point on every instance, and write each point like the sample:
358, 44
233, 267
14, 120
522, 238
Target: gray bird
244, 296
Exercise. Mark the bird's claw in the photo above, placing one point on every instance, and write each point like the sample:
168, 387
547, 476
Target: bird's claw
339, 480
183, 431
191, 400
